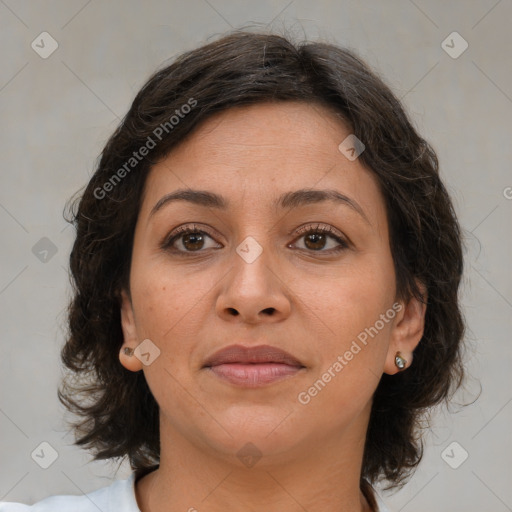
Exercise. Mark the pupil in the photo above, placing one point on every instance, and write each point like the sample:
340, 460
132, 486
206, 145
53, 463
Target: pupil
196, 238
319, 238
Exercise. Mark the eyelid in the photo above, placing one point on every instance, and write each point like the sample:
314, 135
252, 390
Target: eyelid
341, 239
186, 228
311, 227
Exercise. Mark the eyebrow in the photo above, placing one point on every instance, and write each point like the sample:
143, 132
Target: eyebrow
288, 200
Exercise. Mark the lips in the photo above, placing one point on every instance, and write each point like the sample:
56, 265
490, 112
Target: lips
253, 367
252, 355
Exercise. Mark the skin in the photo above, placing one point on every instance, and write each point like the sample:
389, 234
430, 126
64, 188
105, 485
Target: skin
311, 303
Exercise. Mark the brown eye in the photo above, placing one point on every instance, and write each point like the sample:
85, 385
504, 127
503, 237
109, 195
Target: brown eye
187, 239
315, 241
192, 241
317, 238
321, 239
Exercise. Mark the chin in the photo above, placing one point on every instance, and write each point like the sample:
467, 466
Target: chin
260, 428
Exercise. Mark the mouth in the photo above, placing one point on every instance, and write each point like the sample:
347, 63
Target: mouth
253, 366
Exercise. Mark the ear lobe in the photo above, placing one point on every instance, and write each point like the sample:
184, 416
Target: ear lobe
130, 338
407, 332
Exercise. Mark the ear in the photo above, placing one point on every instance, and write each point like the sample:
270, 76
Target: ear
407, 331
131, 340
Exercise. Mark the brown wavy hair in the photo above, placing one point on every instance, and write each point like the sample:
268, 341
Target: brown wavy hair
118, 414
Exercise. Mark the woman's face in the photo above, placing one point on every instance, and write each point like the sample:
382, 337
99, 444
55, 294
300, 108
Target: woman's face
251, 276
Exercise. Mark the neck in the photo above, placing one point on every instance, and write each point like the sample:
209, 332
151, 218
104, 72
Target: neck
309, 477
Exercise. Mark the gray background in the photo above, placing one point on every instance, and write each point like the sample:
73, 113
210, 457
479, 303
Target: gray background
58, 112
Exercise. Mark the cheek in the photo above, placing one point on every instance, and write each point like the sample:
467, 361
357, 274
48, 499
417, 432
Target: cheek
167, 312
165, 297
358, 312
171, 310
354, 297
350, 305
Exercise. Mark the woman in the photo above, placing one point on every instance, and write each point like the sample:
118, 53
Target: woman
266, 273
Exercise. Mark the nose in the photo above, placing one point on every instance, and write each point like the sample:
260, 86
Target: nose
254, 291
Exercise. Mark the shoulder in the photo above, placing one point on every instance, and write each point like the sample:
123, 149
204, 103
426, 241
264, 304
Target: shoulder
120, 495
380, 504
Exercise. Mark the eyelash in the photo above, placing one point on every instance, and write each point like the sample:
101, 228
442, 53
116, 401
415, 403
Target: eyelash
303, 231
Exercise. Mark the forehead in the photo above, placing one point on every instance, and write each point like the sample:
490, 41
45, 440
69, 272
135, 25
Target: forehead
280, 129
251, 155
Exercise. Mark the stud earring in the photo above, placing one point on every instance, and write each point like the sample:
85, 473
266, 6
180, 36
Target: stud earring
400, 362
128, 351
